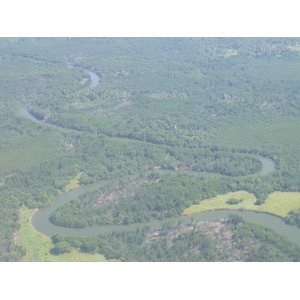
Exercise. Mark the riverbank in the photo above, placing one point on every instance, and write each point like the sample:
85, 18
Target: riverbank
38, 245
35, 211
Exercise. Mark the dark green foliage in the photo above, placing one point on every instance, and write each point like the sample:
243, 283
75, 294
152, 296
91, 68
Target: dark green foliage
235, 219
272, 247
268, 253
61, 247
293, 217
139, 200
233, 201
9, 249
90, 246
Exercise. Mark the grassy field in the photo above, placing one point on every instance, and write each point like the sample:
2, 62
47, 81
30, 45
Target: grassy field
74, 182
278, 203
39, 245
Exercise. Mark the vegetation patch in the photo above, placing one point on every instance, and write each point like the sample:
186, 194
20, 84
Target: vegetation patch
229, 239
22, 150
233, 201
280, 203
74, 182
293, 217
38, 246
220, 202
169, 95
294, 48
82, 104
277, 203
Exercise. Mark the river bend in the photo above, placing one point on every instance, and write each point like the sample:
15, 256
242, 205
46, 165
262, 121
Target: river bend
41, 219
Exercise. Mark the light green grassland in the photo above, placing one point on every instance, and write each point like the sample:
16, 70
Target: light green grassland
277, 203
38, 245
73, 182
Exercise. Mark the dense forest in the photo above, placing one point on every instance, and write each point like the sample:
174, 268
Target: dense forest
172, 121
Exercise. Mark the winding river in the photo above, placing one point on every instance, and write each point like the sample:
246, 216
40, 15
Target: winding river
41, 219
42, 223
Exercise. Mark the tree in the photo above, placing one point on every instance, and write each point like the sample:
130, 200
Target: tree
235, 219
62, 247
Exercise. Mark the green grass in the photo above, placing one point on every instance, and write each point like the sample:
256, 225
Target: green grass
281, 203
277, 203
38, 245
73, 182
